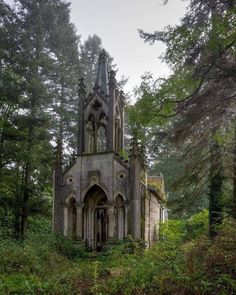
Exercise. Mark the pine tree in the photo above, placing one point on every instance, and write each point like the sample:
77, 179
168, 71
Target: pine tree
200, 94
63, 44
89, 53
39, 59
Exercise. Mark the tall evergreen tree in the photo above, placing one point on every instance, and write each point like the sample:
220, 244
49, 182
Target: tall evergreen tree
39, 59
63, 44
200, 94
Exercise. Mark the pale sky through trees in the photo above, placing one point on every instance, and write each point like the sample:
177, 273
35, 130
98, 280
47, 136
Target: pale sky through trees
117, 22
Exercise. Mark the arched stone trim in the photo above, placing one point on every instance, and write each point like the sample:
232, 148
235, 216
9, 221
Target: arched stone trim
96, 127
70, 195
96, 220
70, 215
118, 193
89, 186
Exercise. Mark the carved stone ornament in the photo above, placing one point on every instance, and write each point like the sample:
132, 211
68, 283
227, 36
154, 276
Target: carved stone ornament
121, 175
69, 179
94, 175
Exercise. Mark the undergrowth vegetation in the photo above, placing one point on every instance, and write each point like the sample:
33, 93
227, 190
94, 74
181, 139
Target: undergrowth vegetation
184, 261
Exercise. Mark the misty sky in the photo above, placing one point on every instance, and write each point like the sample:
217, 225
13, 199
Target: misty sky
117, 21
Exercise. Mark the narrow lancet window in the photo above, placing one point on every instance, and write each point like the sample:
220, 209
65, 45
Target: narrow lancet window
101, 139
90, 137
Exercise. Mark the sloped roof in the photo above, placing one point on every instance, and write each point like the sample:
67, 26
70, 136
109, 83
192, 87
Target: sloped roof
155, 184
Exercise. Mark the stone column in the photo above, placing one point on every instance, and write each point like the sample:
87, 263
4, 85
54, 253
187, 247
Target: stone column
126, 220
79, 223
111, 222
137, 164
135, 200
86, 226
91, 227
111, 116
121, 222
65, 230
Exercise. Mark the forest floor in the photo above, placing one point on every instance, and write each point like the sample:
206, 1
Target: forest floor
184, 261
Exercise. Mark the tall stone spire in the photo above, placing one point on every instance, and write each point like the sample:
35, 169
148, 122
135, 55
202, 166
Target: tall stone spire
102, 73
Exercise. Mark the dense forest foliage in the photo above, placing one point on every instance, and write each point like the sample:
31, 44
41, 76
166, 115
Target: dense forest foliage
196, 106
42, 60
186, 121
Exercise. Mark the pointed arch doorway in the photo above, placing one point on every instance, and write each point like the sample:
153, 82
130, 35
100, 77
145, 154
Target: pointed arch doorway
95, 218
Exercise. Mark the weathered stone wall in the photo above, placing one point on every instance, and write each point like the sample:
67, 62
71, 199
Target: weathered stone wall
102, 169
110, 173
154, 218
151, 218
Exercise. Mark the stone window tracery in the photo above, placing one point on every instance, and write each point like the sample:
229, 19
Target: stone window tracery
96, 129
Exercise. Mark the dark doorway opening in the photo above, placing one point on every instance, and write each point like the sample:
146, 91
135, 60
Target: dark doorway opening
95, 218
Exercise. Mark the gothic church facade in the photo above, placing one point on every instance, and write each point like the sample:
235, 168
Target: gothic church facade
101, 197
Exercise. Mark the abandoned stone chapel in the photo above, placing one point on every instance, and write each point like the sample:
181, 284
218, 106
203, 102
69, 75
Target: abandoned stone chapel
101, 197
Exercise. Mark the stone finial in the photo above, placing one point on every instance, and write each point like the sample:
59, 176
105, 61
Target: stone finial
137, 151
72, 158
102, 56
122, 97
134, 150
112, 78
143, 156
81, 88
96, 88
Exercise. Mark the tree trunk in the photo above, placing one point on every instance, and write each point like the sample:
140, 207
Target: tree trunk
215, 191
27, 174
233, 211
62, 110
17, 224
17, 204
25, 201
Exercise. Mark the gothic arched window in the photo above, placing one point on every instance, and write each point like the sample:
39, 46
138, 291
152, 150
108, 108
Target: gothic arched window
90, 129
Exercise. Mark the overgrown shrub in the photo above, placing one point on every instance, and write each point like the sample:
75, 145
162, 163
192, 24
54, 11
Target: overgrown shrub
68, 247
184, 262
197, 225
39, 224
